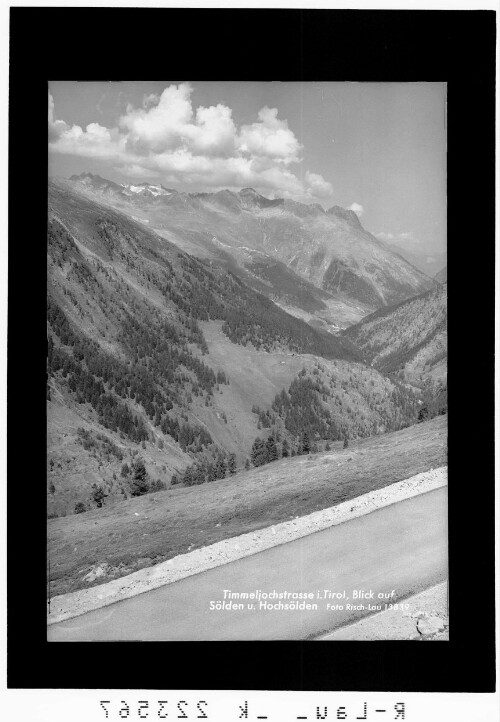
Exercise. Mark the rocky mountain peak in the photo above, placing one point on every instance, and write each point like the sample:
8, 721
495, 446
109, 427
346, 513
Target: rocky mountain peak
350, 216
250, 198
95, 181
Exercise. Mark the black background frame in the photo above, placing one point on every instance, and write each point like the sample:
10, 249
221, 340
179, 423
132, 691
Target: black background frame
456, 47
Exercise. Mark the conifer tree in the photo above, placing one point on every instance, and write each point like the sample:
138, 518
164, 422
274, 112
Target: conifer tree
271, 450
220, 468
139, 483
231, 466
98, 495
258, 454
198, 474
187, 477
211, 472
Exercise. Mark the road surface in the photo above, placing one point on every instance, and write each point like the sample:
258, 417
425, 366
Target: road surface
402, 547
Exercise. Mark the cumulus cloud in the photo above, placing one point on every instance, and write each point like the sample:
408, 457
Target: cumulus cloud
169, 124
150, 100
270, 137
317, 186
167, 137
384, 236
357, 208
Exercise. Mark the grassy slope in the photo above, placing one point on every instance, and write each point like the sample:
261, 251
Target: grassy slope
72, 469
151, 529
256, 377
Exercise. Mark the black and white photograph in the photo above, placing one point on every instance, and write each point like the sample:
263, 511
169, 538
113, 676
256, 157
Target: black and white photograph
247, 361
237, 372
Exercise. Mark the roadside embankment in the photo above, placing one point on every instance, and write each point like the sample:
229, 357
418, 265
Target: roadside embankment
79, 602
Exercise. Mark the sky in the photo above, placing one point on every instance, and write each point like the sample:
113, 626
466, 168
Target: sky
376, 148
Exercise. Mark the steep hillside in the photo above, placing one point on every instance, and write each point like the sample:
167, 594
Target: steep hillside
158, 357
334, 400
277, 398
354, 399
409, 339
328, 249
127, 359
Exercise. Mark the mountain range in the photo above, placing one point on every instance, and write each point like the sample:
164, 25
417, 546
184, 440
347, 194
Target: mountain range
157, 354
320, 265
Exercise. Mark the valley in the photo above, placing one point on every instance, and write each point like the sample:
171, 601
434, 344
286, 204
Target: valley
160, 359
247, 345
192, 399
